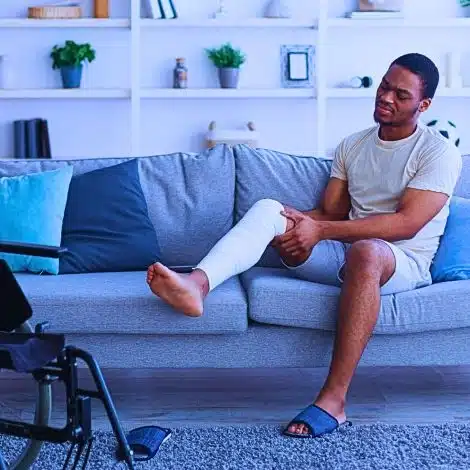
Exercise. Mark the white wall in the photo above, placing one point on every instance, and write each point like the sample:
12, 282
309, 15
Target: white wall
89, 128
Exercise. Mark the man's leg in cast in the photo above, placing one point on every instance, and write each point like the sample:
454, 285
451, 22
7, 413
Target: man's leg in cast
240, 249
369, 265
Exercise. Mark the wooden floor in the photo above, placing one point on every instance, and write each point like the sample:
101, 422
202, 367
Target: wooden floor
273, 396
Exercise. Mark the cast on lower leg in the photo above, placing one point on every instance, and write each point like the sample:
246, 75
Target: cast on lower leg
242, 247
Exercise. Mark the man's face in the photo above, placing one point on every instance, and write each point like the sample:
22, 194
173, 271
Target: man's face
398, 99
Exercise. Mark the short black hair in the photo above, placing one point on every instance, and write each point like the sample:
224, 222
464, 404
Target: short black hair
422, 66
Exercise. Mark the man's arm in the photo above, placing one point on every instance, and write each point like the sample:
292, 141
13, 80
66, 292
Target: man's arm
335, 204
416, 208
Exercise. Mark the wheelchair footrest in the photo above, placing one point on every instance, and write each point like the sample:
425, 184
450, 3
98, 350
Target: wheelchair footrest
27, 352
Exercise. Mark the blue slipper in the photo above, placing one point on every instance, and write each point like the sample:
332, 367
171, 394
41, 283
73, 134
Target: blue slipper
317, 420
145, 441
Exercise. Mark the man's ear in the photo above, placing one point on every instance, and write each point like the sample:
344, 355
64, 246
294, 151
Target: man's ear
424, 105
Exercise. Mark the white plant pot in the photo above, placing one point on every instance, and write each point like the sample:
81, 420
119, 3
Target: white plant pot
278, 9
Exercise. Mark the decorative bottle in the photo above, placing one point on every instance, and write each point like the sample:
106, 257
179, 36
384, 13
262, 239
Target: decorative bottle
180, 74
101, 8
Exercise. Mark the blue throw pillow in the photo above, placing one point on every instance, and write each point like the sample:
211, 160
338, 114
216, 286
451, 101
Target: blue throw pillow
31, 211
452, 259
106, 224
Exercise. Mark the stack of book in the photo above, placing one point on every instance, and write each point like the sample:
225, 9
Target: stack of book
31, 138
378, 9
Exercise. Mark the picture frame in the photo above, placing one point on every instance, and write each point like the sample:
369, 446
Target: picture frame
297, 66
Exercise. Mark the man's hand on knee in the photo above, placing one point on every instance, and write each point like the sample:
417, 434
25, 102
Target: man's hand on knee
290, 225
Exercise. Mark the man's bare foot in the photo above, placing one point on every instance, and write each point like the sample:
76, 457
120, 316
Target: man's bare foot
180, 291
331, 406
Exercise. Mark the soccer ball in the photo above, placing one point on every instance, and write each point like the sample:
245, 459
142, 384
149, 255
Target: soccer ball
446, 128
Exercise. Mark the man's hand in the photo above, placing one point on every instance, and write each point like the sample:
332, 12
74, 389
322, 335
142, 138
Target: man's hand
300, 239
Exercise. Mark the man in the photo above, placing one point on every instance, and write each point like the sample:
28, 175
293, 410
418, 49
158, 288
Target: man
376, 232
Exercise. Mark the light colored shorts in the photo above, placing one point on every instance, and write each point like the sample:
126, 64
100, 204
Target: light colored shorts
324, 266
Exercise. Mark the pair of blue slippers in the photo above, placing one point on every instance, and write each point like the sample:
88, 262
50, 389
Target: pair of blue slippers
318, 422
145, 441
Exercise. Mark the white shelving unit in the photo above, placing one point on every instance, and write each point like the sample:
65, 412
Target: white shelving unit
71, 23
398, 23
370, 93
228, 23
53, 93
218, 93
319, 95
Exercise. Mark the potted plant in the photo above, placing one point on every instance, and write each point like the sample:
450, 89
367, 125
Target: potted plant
69, 59
228, 61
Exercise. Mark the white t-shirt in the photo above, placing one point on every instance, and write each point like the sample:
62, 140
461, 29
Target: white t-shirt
379, 171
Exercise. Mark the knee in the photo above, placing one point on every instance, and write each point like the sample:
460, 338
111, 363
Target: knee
268, 205
365, 255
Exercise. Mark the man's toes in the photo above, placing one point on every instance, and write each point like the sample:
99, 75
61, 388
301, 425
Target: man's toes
298, 429
292, 428
302, 429
161, 270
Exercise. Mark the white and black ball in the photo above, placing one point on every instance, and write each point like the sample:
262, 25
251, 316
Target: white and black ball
446, 128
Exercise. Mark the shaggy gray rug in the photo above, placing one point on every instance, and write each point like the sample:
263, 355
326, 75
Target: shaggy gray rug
383, 447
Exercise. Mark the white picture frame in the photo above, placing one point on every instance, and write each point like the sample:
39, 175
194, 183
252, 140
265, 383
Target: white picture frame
297, 66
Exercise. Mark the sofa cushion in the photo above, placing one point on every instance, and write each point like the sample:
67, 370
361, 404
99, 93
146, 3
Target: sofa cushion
276, 297
106, 225
462, 188
122, 303
189, 196
31, 211
297, 181
452, 259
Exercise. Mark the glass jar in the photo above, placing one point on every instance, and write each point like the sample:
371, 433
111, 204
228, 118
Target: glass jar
180, 74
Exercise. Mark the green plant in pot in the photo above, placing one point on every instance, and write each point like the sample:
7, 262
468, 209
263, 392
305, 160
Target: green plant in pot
228, 61
69, 59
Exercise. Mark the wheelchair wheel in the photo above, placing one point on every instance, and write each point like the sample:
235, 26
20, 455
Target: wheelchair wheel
42, 416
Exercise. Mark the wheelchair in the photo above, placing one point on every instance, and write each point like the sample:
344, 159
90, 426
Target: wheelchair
49, 359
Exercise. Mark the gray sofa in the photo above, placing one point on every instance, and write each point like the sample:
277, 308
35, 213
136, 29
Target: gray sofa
262, 318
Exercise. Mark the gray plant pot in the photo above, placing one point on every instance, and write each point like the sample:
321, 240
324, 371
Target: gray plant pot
228, 77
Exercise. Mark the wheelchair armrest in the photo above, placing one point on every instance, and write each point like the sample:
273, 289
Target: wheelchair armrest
32, 249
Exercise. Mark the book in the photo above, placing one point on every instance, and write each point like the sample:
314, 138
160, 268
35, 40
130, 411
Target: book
32, 138
377, 14
153, 9
173, 9
19, 139
44, 140
168, 9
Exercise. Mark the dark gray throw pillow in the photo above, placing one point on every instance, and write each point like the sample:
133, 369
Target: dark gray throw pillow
106, 226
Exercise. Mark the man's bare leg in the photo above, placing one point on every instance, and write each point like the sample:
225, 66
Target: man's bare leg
186, 292
369, 264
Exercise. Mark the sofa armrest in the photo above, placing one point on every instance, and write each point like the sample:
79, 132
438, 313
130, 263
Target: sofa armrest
32, 249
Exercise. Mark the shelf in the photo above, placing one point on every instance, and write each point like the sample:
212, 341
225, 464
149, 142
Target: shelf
350, 93
454, 92
59, 93
394, 23
370, 92
225, 93
161, 93
64, 23
228, 23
